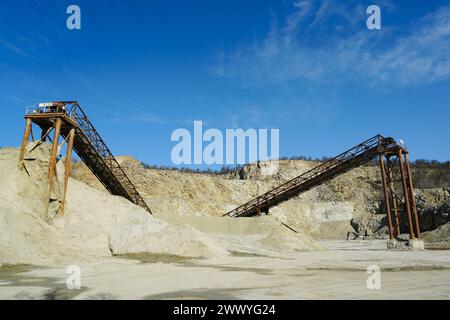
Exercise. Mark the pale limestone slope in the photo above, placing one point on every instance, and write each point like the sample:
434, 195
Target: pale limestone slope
98, 224
95, 223
324, 211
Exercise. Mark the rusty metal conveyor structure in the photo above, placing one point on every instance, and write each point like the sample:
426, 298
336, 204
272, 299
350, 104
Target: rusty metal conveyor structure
389, 152
68, 120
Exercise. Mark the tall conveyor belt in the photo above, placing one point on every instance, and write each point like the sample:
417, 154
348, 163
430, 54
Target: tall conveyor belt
346, 161
88, 144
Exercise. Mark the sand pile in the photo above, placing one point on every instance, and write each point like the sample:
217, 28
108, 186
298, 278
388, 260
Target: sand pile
317, 212
95, 223
98, 224
439, 238
257, 235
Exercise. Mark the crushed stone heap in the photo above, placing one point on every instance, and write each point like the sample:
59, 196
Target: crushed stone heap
97, 224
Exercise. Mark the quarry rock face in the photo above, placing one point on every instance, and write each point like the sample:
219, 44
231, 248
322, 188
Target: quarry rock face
353, 202
188, 209
97, 224
332, 210
434, 206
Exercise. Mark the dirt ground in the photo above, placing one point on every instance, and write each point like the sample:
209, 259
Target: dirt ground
124, 253
339, 272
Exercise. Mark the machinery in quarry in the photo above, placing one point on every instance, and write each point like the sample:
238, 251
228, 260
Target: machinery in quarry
67, 119
395, 172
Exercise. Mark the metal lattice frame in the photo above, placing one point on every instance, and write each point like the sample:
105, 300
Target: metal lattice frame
377, 146
352, 158
89, 146
399, 193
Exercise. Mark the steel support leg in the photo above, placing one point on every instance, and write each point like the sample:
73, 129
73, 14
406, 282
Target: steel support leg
386, 197
52, 166
32, 134
26, 137
68, 162
394, 197
396, 211
406, 195
44, 133
413, 198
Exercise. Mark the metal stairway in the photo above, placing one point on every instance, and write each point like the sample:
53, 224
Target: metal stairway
346, 161
88, 145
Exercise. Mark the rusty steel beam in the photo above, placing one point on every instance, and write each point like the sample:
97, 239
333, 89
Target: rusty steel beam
67, 165
52, 166
393, 195
32, 134
406, 194
26, 137
386, 196
413, 198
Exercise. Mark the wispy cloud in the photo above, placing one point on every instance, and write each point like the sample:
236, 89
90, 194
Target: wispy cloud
145, 117
418, 55
16, 49
139, 117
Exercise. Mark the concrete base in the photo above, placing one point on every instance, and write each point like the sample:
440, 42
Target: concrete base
396, 245
415, 244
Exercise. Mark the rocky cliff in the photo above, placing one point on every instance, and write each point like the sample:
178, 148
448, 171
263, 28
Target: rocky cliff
352, 202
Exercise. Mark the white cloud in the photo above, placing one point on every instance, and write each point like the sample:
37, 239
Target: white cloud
303, 9
16, 50
419, 55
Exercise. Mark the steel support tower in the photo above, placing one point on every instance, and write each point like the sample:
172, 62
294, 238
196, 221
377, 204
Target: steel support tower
391, 154
67, 120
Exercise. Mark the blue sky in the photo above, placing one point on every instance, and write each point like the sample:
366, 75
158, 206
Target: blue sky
312, 69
